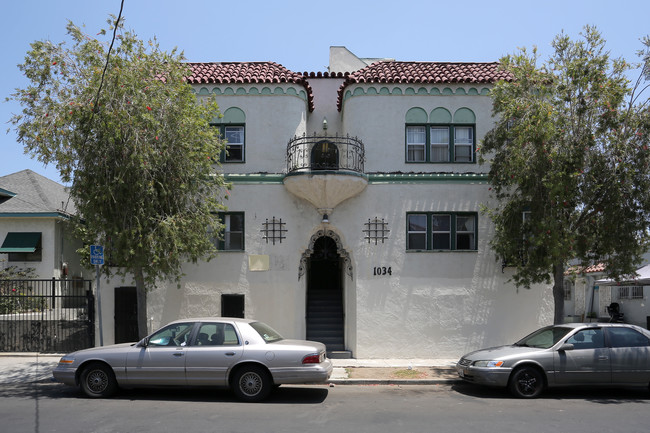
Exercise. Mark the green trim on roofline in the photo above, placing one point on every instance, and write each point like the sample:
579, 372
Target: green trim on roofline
373, 178
230, 90
361, 90
33, 215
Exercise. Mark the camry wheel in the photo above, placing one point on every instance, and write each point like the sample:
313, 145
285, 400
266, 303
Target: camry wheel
526, 382
98, 380
252, 383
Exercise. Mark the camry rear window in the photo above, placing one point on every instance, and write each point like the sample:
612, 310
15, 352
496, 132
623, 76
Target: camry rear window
269, 334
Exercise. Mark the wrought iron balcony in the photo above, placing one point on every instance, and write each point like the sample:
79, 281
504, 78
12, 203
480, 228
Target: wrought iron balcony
317, 152
325, 171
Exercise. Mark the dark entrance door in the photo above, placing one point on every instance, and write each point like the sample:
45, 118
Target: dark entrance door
325, 295
232, 306
126, 315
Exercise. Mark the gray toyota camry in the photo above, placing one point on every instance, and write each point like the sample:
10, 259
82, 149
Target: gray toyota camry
246, 355
599, 354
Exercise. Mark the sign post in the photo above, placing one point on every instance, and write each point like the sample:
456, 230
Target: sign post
97, 259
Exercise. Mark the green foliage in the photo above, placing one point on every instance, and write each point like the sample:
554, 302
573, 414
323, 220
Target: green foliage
570, 148
15, 296
140, 153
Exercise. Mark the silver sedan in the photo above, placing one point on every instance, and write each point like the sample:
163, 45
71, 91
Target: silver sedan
599, 354
246, 355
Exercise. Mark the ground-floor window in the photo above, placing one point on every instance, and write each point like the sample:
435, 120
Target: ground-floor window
232, 238
441, 231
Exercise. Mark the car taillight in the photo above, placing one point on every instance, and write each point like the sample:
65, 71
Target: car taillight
311, 359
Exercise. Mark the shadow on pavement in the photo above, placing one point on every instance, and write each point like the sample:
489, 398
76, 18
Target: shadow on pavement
596, 395
52, 390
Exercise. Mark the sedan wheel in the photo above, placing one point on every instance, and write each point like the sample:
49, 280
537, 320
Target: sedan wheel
252, 383
526, 382
98, 380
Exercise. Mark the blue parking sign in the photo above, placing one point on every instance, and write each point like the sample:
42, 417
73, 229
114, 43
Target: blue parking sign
96, 255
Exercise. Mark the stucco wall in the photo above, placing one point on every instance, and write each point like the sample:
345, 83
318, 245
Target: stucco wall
379, 120
435, 304
271, 121
432, 304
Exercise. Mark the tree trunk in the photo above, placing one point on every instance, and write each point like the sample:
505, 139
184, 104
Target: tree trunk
558, 294
141, 292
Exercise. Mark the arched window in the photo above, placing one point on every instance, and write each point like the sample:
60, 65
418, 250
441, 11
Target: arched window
232, 127
442, 137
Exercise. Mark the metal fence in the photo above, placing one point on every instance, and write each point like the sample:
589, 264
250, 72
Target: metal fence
46, 315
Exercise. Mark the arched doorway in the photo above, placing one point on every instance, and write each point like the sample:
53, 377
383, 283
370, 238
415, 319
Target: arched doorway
325, 317
324, 156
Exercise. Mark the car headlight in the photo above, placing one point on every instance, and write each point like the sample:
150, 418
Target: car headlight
488, 364
66, 360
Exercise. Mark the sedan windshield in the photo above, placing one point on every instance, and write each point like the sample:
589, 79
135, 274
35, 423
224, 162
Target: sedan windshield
269, 334
545, 337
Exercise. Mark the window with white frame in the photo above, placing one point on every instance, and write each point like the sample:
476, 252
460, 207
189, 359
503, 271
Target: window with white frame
433, 231
234, 136
232, 129
416, 141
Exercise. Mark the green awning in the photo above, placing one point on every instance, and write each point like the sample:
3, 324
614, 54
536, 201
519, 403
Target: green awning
21, 242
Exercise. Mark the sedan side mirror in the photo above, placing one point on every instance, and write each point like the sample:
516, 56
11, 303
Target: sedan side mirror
565, 347
144, 342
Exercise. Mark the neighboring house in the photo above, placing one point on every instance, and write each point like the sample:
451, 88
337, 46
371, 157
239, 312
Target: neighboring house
34, 211
355, 213
588, 293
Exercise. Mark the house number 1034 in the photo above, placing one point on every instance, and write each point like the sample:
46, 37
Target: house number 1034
382, 270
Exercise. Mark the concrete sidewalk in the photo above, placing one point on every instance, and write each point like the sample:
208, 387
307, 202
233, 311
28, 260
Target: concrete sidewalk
37, 367
394, 372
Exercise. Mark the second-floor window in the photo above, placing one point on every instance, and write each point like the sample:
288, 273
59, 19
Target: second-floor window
232, 129
234, 136
441, 231
440, 143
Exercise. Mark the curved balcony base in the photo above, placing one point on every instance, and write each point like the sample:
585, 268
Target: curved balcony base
325, 190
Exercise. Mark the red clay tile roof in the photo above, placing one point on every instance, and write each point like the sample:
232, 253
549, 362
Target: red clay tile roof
598, 267
379, 72
425, 73
247, 73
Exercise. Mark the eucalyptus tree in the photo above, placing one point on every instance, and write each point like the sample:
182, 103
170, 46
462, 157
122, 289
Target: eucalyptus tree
125, 129
569, 157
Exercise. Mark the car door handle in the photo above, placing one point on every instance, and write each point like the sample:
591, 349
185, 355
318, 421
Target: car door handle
603, 358
230, 353
178, 353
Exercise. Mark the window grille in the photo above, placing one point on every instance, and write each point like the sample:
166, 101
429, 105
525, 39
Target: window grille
273, 230
376, 230
630, 292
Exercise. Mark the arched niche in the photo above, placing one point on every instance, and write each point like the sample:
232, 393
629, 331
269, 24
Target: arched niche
416, 115
464, 115
440, 115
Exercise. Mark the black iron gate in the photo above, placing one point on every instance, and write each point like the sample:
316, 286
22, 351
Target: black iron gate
46, 315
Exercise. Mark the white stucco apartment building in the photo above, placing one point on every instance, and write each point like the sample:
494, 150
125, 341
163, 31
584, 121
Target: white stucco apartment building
355, 213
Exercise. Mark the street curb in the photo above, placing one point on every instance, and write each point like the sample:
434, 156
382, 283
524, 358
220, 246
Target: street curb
30, 355
395, 381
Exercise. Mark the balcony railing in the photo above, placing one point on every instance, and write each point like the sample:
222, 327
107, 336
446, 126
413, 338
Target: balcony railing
317, 152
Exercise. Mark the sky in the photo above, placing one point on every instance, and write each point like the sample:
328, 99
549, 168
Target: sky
298, 35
